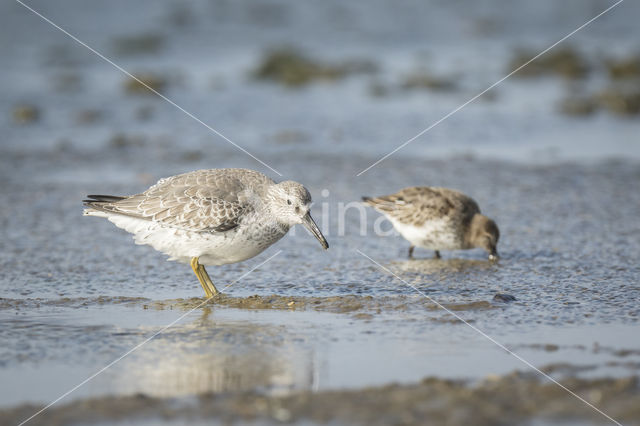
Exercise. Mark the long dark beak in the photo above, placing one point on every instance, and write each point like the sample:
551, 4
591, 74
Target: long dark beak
308, 222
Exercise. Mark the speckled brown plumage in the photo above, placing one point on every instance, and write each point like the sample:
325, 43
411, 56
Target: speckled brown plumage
438, 219
417, 204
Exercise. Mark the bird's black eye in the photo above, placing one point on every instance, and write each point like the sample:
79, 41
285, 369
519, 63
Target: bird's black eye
289, 202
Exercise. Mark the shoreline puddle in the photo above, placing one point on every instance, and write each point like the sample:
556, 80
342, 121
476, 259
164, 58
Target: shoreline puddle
276, 348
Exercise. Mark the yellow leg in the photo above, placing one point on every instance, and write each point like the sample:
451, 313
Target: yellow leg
198, 270
207, 280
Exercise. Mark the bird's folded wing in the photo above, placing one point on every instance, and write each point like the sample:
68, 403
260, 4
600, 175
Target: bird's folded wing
419, 204
193, 208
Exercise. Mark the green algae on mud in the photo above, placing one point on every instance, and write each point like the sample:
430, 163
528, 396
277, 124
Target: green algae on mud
293, 69
70, 302
513, 398
333, 304
567, 62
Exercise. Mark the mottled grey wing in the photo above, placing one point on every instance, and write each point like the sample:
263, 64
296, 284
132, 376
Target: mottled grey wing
186, 202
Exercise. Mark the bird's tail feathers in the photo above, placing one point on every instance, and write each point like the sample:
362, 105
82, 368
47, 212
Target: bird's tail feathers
103, 199
383, 203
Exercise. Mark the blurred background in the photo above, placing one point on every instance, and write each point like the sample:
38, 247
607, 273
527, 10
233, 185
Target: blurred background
287, 80
319, 91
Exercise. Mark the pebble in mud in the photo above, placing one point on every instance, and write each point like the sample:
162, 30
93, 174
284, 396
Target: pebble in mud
503, 297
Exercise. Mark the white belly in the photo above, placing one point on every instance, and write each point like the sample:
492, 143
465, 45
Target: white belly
211, 248
437, 234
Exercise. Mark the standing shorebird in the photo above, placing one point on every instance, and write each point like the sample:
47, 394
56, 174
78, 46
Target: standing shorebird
210, 217
438, 219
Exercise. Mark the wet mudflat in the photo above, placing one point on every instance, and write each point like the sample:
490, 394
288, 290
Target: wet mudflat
283, 342
434, 401
311, 336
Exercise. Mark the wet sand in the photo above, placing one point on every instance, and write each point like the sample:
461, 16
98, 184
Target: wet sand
512, 399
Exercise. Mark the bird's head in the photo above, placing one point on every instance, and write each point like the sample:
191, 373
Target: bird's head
291, 202
484, 233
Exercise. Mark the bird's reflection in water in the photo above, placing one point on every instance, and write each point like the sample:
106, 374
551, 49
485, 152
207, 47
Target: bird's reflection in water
212, 355
443, 266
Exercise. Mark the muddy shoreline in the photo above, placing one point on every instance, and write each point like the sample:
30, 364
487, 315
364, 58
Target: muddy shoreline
334, 304
512, 399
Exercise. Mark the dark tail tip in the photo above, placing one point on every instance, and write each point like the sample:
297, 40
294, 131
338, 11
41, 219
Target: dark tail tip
366, 199
102, 199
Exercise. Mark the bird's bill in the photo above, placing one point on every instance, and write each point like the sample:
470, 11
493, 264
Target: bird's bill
308, 222
494, 256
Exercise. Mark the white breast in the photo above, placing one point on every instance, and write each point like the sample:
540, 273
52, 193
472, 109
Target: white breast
437, 234
232, 246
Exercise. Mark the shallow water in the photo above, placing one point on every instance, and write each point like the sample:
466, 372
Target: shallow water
76, 293
228, 350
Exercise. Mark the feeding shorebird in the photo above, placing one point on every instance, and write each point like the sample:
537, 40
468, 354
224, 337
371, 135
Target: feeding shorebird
438, 219
210, 217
